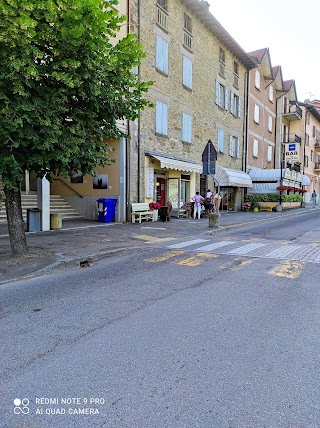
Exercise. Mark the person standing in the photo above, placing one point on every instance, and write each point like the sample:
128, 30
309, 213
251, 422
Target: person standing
217, 201
208, 202
314, 199
197, 205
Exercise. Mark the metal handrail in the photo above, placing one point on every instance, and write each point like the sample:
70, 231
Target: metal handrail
71, 188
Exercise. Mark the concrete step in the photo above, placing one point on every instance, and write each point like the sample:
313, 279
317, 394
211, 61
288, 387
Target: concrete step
57, 206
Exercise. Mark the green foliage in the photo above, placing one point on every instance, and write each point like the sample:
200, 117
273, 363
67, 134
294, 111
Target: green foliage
254, 198
293, 197
64, 82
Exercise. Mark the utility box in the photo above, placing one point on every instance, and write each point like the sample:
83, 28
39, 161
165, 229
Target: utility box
33, 220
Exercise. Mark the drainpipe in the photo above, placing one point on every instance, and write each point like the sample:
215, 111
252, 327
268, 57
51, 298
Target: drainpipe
139, 125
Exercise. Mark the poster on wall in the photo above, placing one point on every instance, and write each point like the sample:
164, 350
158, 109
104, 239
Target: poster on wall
100, 181
76, 177
149, 182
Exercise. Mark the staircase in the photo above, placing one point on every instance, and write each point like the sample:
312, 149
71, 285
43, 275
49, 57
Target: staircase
57, 206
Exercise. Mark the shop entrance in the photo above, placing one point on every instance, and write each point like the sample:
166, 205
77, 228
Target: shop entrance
161, 191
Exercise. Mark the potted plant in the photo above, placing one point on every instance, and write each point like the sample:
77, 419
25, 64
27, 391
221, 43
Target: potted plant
154, 206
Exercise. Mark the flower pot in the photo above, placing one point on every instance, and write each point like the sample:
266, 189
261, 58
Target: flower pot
255, 209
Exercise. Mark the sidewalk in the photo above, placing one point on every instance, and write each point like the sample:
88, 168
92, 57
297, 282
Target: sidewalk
81, 242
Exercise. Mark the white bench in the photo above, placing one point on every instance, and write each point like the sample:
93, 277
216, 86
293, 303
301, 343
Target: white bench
141, 211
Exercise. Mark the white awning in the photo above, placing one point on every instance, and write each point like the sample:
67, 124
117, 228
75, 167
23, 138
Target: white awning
179, 165
269, 175
305, 180
232, 177
266, 175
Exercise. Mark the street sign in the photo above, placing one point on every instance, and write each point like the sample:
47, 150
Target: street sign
209, 157
292, 152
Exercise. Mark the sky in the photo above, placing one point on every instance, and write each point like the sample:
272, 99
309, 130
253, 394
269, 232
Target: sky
289, 28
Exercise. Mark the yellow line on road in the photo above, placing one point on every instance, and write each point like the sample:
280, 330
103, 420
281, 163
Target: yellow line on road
166, 256
196, 260
149, 238
289, 269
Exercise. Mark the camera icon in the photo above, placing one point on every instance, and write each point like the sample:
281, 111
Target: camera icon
21, 406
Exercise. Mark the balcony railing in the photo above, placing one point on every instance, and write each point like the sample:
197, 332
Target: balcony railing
162, 18
291, 138
187, 39
317, 166
294, 113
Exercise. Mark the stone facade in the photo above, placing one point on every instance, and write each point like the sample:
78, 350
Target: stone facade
202, 51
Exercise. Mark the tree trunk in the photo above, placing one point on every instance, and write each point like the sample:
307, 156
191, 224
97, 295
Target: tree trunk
16, 225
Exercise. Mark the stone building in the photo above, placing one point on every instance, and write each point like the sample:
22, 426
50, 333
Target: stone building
199, 73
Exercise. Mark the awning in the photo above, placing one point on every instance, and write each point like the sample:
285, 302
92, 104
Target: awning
273, 175
178, 164
232, 177
305, 180
264, 188
266, 175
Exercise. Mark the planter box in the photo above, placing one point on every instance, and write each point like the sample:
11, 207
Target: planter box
288, 205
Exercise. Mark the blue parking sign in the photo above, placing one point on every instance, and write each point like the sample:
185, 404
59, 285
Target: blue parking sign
292, 147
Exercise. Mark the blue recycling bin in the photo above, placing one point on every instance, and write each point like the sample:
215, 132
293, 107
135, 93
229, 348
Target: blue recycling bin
106, 210
33, 220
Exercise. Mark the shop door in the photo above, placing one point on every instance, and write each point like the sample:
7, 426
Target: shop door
174, 195
161, 191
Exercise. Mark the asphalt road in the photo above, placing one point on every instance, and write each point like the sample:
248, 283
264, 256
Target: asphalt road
211, 331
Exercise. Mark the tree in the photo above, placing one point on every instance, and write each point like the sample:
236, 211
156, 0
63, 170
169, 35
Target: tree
64, 82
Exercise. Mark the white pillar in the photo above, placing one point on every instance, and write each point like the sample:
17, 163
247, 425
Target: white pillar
43, 202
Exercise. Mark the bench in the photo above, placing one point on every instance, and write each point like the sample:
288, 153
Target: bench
141, 211
266, 208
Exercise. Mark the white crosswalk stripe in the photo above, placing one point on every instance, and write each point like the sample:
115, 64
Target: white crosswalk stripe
214, 246
283, 251
246, 249
187, 243
265, 249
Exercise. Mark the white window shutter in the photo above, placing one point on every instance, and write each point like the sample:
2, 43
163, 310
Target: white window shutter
186, 127
270, 123
226, 102
217, 92
238, 148
231, 150
256, 114
269, 154
239, 108
220, 140
162, 54
257, 79
232, 102
164, 119
271, 93
161, 118
255, 148
187, 72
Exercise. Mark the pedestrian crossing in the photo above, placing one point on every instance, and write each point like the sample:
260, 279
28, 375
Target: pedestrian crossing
264, 249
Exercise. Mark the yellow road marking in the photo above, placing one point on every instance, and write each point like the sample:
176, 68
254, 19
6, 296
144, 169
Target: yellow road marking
196, 260
165, 256
148, 238
237, 263
289, 269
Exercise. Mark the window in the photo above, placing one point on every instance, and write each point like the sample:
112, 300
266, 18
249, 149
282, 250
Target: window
187, 72
186, 127
222, 56
312, 156
162, 54
220, 138
307, 140
161, 118
235, 104
256, 114
269, 154
162, 14
257, 79
308, 117
255, 148
235, 74
313, 131
222, 94
270, 123
271, 93
187, 32
306, 161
